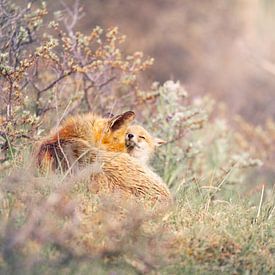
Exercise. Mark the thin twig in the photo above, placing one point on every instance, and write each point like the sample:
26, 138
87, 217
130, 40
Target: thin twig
106, 82
261, 202
54, 82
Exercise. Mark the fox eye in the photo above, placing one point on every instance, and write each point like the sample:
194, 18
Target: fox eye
142, 137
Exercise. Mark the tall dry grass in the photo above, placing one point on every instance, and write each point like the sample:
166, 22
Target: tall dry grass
221, 176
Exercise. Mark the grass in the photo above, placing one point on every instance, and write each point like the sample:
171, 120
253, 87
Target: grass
51, 227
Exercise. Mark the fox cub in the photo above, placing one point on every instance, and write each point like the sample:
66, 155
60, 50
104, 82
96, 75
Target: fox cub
140, 144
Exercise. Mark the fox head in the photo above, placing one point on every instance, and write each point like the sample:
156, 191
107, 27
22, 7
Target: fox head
140, 144
115, 130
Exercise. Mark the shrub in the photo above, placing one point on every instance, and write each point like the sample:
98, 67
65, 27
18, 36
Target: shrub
58, 69
54, 224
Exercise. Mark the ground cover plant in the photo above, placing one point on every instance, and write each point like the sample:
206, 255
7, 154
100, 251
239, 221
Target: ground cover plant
218, 168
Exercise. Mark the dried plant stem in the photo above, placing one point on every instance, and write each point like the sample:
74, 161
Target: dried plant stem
261, 202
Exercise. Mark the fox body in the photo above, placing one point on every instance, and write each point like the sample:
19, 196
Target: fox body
90, 140
103, 133
119, 171
140, 144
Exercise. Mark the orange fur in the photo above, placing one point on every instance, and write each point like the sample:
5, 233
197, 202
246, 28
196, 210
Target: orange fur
112, 171
93, 141
104, 133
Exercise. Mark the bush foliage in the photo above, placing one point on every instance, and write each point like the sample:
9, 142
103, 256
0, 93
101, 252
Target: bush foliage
223, 216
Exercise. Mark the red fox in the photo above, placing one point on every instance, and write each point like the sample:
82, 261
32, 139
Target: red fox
90, 139
140, 144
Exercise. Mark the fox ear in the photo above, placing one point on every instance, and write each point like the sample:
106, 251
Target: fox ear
159, 142
118, 121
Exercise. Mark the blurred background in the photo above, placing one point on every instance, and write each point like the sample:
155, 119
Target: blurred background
217, 47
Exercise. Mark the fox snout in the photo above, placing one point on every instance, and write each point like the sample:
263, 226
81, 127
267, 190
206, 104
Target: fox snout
130, 136
131, 141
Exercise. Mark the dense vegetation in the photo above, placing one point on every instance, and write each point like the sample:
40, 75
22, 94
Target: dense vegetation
219, 172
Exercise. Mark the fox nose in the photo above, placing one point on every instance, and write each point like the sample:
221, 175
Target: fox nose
130, 136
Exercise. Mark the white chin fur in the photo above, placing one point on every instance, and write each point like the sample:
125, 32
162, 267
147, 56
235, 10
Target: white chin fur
142, 154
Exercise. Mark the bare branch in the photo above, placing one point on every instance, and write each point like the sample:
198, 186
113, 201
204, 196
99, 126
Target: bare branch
106, 82
53, 83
